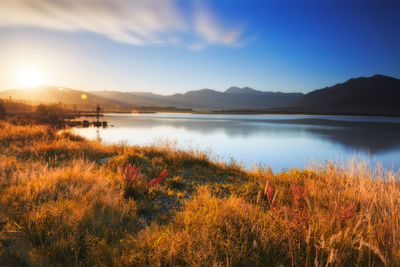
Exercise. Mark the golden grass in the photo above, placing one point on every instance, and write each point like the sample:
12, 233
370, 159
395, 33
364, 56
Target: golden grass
59, 205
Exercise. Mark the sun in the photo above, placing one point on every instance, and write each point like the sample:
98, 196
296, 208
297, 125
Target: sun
29, 78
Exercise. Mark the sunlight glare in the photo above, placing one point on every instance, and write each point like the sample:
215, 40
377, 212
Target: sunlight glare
29, 78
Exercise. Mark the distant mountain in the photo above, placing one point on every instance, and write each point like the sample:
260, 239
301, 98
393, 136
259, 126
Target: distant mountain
233, 98
377, 94
244, 90
132, 98
46, 94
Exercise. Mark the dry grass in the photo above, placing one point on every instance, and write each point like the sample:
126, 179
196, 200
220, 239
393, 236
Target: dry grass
59, 205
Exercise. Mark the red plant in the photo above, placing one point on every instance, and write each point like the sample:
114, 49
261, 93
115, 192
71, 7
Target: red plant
133, 180
342, 214
157, 180
300, 214
131, 174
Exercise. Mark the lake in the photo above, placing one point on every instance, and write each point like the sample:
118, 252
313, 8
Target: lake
276, 141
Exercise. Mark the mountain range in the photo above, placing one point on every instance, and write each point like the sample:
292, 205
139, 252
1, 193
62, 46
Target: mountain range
233, 98
377, 94
54, 94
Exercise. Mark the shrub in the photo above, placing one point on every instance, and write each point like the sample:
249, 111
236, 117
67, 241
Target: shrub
50, 114
133, 158
133, 181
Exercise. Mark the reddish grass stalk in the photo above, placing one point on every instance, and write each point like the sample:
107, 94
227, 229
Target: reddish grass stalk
300, 215
157, 180
343, 214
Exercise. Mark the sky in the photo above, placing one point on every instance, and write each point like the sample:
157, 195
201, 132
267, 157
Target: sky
174, 46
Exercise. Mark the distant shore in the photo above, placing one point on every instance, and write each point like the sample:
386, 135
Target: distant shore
249, 112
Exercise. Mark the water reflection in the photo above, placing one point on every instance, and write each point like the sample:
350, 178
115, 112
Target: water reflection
278, 141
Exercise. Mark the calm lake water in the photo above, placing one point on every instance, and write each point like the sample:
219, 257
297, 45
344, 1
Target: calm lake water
277, 141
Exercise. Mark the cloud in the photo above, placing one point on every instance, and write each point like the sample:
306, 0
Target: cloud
137, 22
211, 30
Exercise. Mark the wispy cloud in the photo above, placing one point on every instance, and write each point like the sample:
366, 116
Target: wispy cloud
210, 29
136, 22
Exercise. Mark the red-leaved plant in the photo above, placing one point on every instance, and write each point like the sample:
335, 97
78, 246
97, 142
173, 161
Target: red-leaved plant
134, 181
156, 180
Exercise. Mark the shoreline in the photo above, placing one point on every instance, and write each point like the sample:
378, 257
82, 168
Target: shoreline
255, 112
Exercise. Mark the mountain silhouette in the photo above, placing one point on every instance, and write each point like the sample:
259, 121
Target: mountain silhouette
244, 90
52, 94
233, 98
377, 94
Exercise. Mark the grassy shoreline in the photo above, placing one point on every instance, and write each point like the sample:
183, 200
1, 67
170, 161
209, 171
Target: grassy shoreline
65, 200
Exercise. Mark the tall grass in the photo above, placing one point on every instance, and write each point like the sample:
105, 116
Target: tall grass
61, 205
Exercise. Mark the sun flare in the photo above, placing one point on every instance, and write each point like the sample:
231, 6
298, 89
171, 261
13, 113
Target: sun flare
29, 78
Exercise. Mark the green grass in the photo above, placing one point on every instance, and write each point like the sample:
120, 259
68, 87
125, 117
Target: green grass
60, 205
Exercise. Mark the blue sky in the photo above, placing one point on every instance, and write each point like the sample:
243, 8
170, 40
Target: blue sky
171, 46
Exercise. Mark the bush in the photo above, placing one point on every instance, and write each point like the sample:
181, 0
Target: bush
49, 114
134, 181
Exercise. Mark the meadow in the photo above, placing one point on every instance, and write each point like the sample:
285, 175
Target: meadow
68, 201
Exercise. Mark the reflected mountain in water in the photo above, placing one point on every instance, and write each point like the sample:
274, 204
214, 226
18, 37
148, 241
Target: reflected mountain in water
276, 140
372, 136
